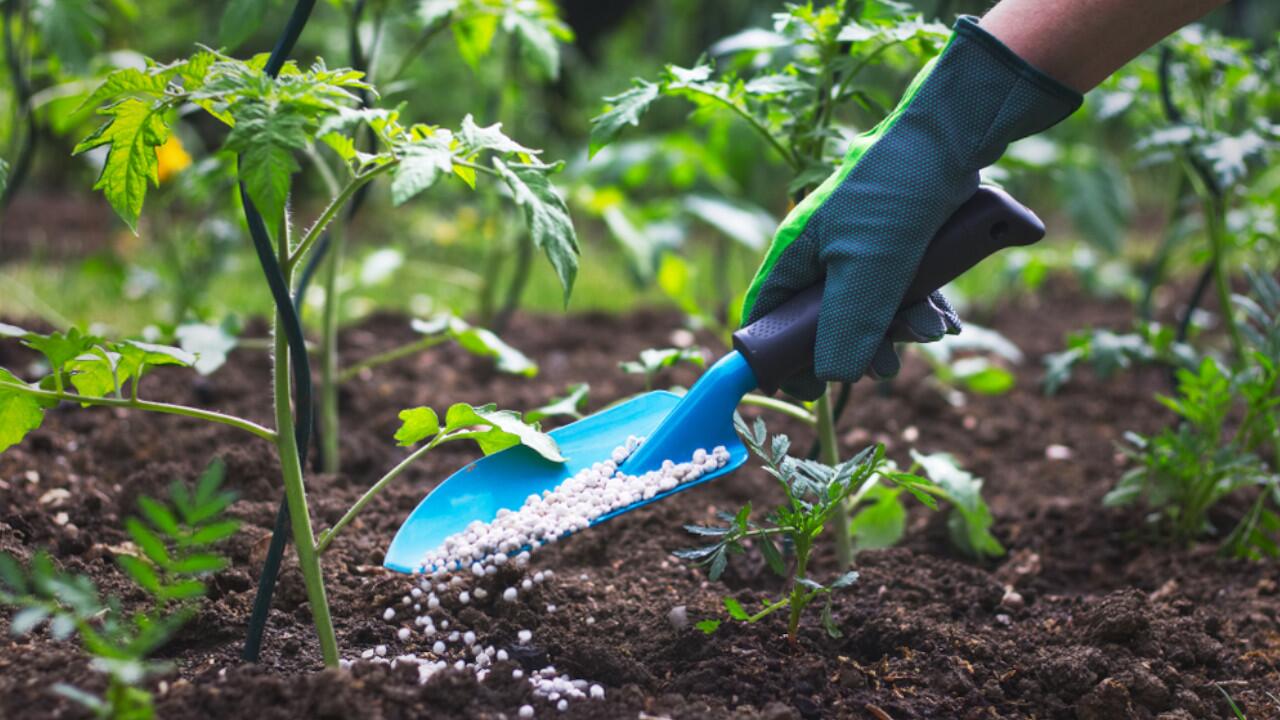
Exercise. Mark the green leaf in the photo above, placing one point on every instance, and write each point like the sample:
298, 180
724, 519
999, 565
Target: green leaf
210, 344
570, 405
845, 580
97, 374
748, 225
476, 138
970, 525
882, 522
213, 532
19, 413
135, 131
653, 360
94, 703
159, 516
141, 572
70, 29
60, 348
240, 21
496, 430
980, 375
708, 626
265, 138
416, 425
772, 556
474, 37
12, 575
735, 609
547, 218
422, 162
27, 619
431, 12
829, 622
136, 356
148, 541
624, 109
537, 43
484, 343
198, 564
184, 590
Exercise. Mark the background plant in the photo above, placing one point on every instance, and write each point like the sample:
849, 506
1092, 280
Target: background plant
1184, 471
171, 555
818, 495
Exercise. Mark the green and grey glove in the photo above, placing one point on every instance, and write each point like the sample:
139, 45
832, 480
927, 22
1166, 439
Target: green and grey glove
866, 227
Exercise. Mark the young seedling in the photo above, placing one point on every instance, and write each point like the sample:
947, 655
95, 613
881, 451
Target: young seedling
817, 494
653, 361
1108, 352
1181, 473
174, 552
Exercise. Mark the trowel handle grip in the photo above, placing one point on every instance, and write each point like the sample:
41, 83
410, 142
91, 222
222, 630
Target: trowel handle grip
781, 343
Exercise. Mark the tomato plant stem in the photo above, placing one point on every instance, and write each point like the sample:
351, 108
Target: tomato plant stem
296, 492
144, 405
830, 455
290, 259
326, 537
329, 374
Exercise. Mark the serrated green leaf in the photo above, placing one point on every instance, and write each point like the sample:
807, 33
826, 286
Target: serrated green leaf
60, 348
708, 626
240, 21
735, 609
624, 109
547, 218
845, 580
474, 37
416, 425
421, 165
19, 413
127, 81
265, 138
134, 132
496, 430
476, 138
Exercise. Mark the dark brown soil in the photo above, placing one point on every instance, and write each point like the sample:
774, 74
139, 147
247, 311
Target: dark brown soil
1106, 626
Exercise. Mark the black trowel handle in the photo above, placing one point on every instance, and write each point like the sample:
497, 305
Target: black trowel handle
780, 344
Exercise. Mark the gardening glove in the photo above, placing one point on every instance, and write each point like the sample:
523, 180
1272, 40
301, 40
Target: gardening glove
866, 227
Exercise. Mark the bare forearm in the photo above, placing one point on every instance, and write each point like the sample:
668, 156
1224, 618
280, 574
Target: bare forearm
1081, 42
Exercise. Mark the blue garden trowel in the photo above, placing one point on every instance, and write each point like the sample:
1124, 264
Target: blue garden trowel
766, 352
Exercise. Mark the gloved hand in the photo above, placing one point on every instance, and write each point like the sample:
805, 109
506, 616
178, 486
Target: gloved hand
867, 226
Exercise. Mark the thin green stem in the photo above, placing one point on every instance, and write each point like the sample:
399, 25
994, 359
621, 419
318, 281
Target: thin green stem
1215, 212
329, 372
419, 45
326, 537
389, 356
296, 492
780, 406
830, 455
144, 405
331, 212
790, 157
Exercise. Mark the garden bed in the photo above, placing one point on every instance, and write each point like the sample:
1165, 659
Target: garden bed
1097, 625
